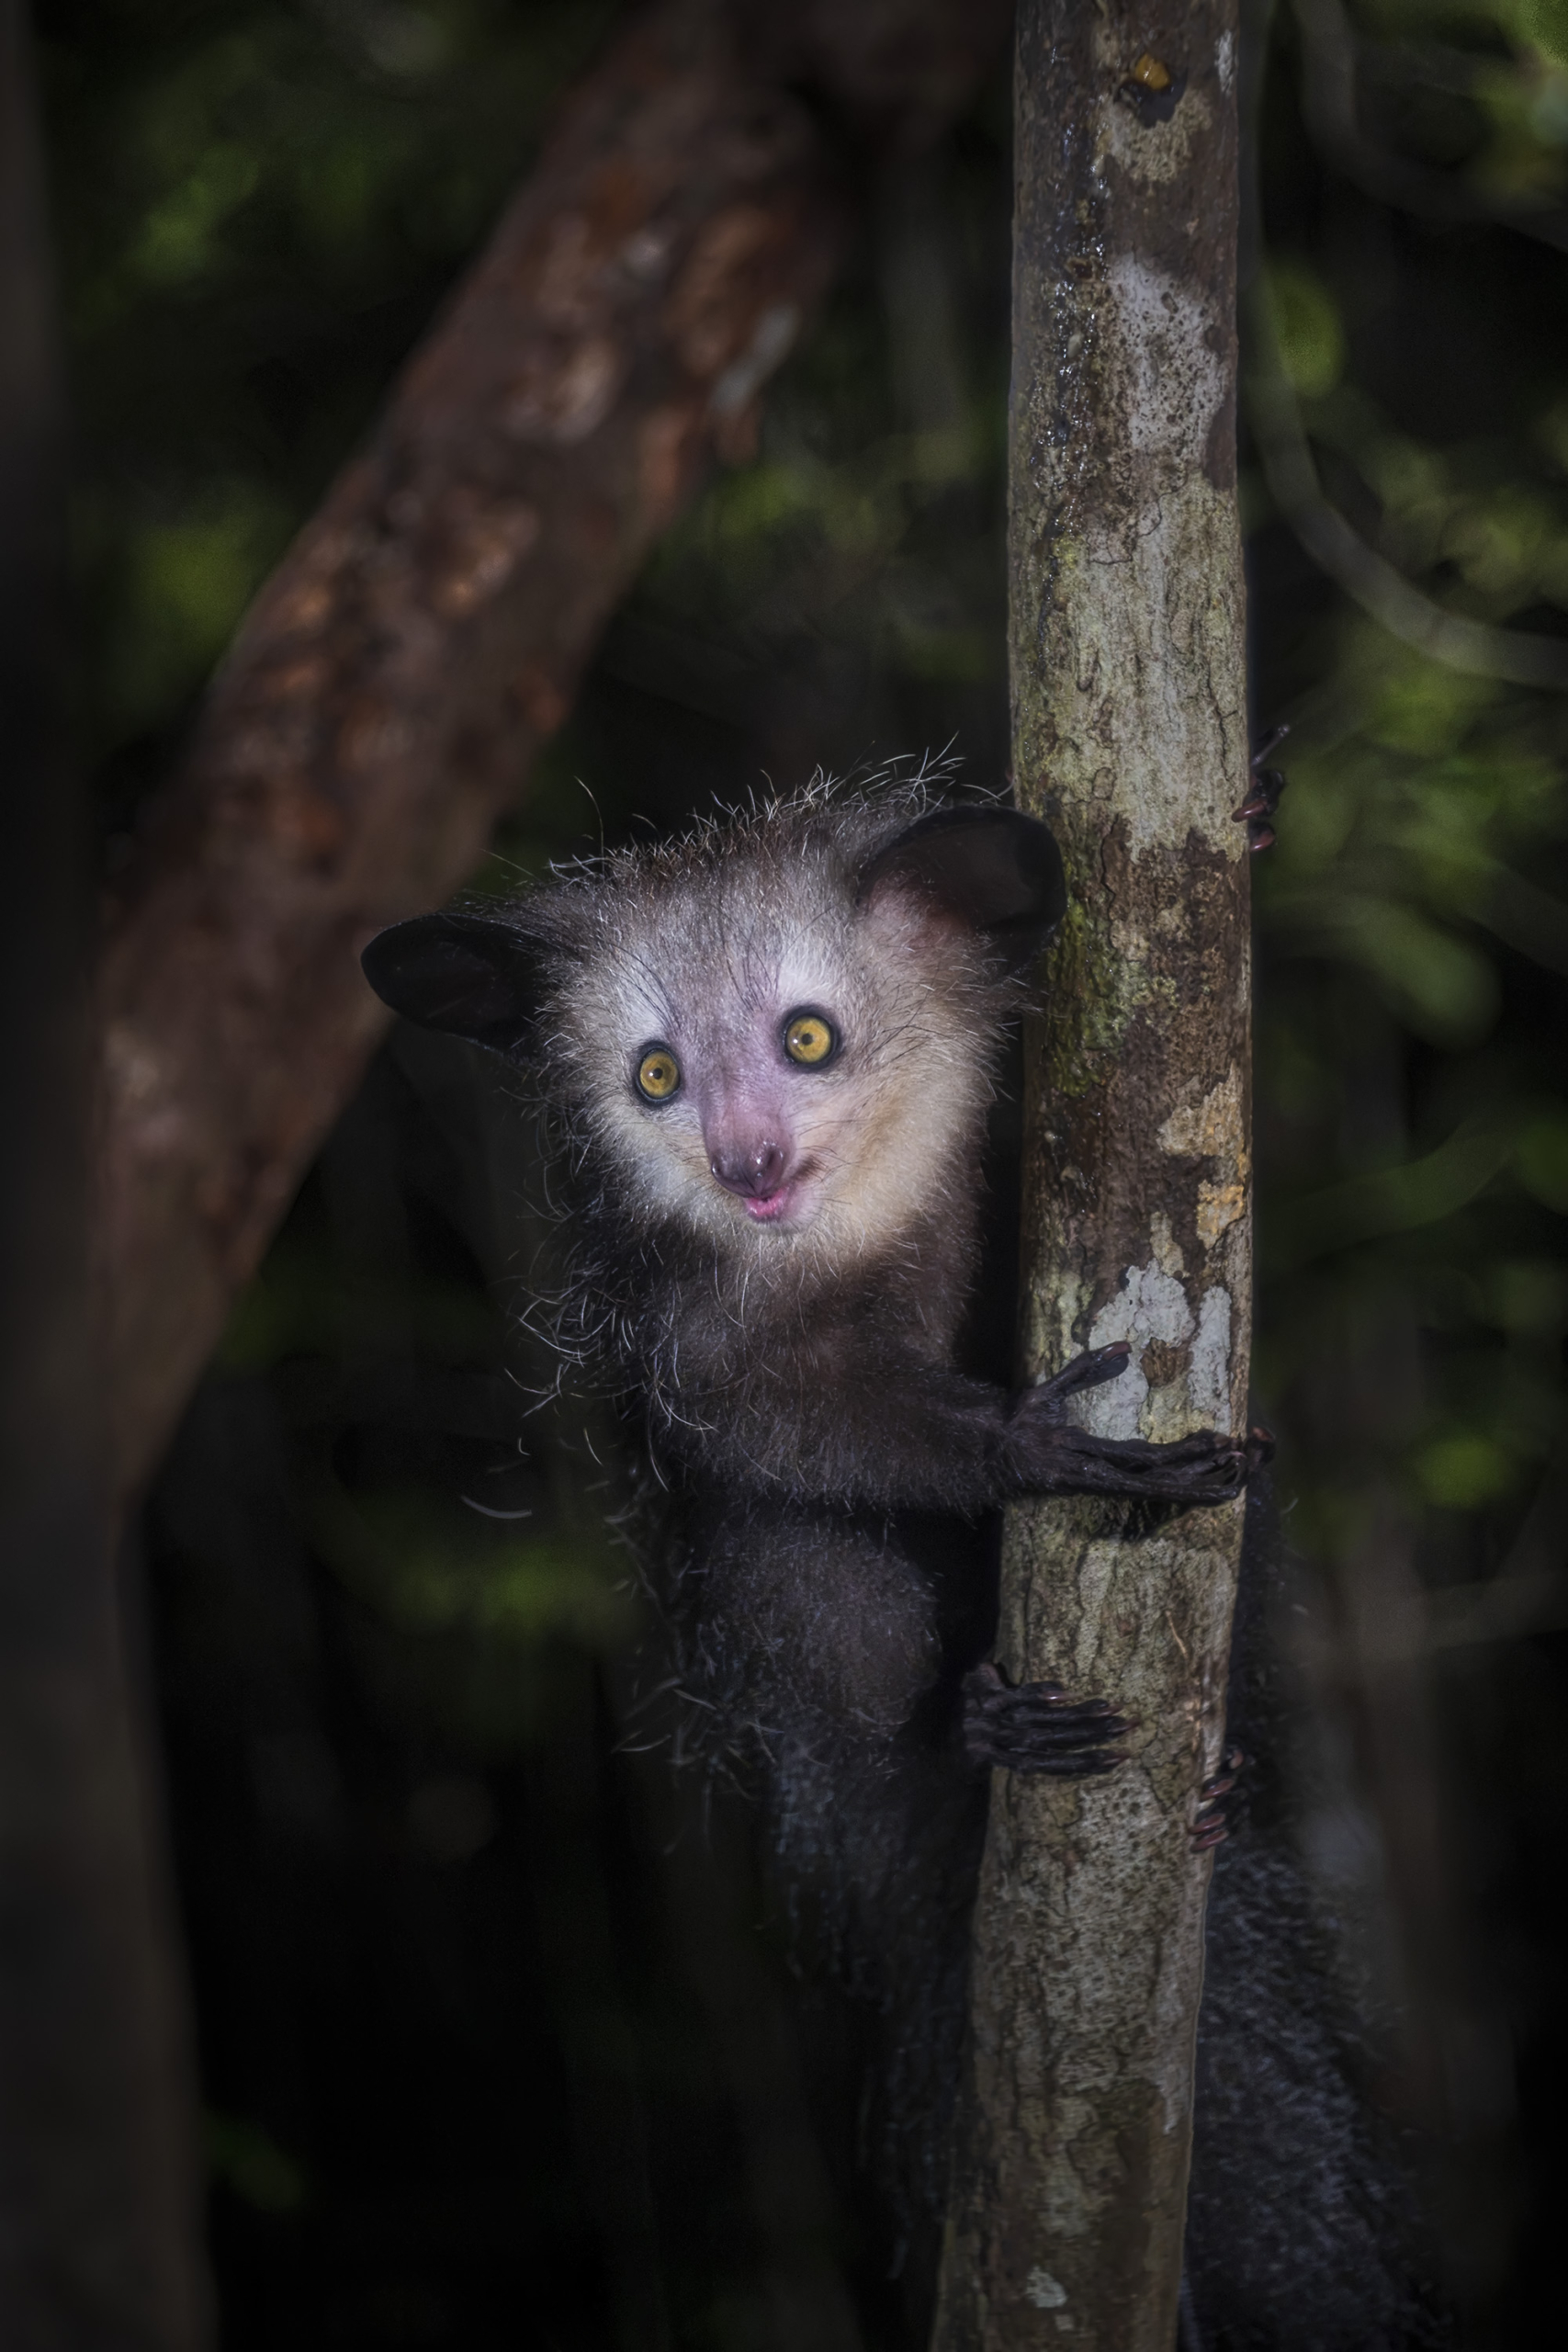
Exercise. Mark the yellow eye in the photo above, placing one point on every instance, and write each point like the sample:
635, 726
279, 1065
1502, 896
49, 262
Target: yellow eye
808, 1038
658, 1074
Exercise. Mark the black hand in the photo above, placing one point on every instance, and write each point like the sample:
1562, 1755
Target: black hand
1056, 1458
1036, 1728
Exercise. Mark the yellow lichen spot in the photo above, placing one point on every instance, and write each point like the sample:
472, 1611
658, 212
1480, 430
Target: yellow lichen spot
1164, 1247
1219, 1205
1208, 1129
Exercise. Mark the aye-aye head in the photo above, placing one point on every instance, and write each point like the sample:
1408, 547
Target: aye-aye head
776, 1034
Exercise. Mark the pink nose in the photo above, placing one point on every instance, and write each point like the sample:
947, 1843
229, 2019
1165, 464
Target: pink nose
752, 1169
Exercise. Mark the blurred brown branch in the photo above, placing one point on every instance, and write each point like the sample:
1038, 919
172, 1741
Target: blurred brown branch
427, 630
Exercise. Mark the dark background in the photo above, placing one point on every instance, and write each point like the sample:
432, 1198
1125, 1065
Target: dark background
487, 2059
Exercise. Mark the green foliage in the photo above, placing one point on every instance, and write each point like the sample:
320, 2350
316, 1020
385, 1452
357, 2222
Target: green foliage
258, 203
404, 1553
1312, 336
1413, 916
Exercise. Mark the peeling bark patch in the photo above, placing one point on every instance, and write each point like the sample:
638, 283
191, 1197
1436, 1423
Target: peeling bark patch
1179, 384
1150, 1307
1209, 1376
1125, 134
1210, 1128
1163, 1242
1213, 1129
1219, 1206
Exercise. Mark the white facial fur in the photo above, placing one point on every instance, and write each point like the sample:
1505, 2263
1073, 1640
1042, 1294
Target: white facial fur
711, 966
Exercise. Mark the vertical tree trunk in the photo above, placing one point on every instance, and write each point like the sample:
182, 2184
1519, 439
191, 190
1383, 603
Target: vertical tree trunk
1071, 2160
97, 2186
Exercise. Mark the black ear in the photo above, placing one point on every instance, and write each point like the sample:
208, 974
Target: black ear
465, 973
993, 868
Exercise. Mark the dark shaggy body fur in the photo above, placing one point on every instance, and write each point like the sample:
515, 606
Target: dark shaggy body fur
1304, 2231
773, 1259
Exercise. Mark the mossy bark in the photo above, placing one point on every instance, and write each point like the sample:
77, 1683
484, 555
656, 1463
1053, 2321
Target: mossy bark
1130, 736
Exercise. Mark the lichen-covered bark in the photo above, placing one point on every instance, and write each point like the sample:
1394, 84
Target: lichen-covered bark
1070, 2166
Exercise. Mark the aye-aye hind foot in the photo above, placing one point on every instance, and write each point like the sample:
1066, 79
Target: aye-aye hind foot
1264, 788
1212, 1821
1036, 1728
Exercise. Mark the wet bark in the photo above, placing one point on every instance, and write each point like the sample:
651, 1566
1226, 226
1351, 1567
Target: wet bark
426, 632
100, 2183
1070, 2166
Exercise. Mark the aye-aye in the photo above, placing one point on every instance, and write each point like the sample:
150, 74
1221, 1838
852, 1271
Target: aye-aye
767, 1050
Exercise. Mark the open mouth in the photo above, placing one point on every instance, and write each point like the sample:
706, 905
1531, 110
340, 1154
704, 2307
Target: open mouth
791, 1202
769, 1207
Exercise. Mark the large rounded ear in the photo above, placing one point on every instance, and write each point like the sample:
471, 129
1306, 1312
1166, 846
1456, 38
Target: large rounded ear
464, 973
994, 870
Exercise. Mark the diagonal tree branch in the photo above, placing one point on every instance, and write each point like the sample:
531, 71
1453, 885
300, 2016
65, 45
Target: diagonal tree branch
426, 632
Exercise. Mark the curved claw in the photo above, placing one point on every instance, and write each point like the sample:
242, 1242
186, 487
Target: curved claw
1204, 1445
1210, 1825
1263, 796
1036, 1728
1088, 1371
1201, 1469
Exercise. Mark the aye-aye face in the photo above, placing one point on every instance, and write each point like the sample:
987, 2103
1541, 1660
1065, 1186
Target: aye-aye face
777, 1033
773, 1066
